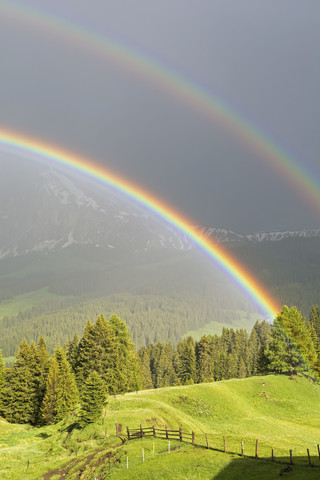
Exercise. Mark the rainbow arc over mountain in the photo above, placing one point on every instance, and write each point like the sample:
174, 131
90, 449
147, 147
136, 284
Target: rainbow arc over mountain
35, 150
181, 89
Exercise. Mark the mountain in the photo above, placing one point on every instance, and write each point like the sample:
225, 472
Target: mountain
224, 236
52, 211
72, 248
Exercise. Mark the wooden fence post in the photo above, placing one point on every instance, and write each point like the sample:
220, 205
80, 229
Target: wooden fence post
180, 434
257, 448
167, 432
224, 445
141, 430
318, 451
128, 433
193, 435
207, 441
291, 460
153, 431
309, 459
272, 458
242, 448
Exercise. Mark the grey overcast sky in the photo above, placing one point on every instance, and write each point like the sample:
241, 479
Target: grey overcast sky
259, 57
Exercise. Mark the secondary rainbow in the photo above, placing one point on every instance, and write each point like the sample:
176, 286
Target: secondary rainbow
32, 148
207, 104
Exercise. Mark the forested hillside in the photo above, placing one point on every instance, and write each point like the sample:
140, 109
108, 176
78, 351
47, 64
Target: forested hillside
160, 296
41, 389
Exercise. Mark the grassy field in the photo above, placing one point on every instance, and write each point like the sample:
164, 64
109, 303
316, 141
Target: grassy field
20, 303
213, 328
277, 411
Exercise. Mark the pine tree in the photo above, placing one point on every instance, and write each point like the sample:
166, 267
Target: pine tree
1, 372
145, 368
49, 406
98, 351
315, 319
128, 371
93, 399
20, 394
282, 354
72, 351
61, 395
294, 323
67, 392
187, 361
205, 365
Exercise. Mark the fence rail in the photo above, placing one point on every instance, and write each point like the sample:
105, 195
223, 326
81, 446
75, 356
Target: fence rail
211, 442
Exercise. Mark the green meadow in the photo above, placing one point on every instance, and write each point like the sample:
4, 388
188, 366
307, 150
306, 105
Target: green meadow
277, 411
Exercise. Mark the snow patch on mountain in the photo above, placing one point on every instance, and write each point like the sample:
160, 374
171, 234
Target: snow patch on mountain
66, 191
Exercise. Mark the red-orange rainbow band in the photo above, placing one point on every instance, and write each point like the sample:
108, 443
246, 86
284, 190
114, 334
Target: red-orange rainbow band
34, 149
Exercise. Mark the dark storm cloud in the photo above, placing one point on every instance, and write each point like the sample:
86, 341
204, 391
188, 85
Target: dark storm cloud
258, 57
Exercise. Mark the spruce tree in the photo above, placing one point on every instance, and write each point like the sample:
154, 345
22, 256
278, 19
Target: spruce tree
49, 406
315, 319
93, 399
205, 365
1, 372
61, 395
128, 365
145, 368
67, 392
20, 394
283, 355
98, 351
294, 323
187, 361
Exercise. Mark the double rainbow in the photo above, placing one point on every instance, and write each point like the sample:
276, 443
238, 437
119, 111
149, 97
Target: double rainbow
179, 87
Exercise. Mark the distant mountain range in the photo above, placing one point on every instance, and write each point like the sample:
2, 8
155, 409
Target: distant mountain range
221, 235
70, 249
53, 211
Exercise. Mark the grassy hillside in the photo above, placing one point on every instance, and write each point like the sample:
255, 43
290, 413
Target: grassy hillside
277, 411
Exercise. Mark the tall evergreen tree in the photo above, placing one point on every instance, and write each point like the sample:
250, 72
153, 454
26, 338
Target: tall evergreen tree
67, 392
315, 319
98, 351
283, 355
72, 351
61, 395
20, 399
49, 406
93, 399
145, 368
187, 361
205, 365
1, 372
293, 321
128, 371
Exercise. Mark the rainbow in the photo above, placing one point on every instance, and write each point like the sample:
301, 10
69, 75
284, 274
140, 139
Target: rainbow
178, 87
22, 146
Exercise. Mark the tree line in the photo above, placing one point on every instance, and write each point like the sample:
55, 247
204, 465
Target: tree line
42, 389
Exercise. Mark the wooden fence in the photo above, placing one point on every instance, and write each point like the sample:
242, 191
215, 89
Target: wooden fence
204, 441
164, 434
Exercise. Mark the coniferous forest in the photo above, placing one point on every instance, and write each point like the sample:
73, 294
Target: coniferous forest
77, 378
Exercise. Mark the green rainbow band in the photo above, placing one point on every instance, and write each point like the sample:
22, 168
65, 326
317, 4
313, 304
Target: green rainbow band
177, 86
32, 148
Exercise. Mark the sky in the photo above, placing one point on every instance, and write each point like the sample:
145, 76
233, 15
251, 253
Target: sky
259, 59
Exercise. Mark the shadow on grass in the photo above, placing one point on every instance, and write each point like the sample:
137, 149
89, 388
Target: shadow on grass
252, 469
